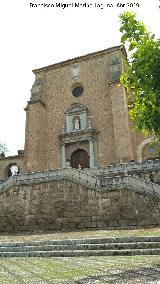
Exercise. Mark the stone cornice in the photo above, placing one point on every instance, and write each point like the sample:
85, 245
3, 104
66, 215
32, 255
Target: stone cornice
80, 135
12, 157
35, 102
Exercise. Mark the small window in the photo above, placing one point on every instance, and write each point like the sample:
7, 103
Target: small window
77, 91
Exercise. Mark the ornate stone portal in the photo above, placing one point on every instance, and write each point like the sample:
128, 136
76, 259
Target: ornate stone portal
78, 138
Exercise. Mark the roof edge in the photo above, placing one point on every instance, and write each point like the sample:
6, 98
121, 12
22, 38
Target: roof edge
80, 58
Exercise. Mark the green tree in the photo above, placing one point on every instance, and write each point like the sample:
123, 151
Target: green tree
3, 149
141, 78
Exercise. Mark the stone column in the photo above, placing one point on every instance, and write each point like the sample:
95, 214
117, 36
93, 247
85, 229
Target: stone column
63, 155
91, 154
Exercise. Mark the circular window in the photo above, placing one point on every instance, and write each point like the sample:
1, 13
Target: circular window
152, 149
77, 91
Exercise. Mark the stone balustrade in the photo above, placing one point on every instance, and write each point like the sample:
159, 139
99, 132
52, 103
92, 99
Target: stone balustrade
131, 167
104, 183
133, 183
145, 187
58, 174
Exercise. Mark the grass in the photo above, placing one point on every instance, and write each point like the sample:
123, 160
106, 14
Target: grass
137, 269
80, 234
81, 270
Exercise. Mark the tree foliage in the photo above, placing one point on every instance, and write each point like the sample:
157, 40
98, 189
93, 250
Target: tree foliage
142, 75
3, 149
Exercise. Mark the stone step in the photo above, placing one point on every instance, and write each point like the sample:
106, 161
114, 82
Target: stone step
72, 247
82, 247
78, 253
83, 241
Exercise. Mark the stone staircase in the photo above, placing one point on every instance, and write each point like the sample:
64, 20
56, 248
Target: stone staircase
123, 246
84, 178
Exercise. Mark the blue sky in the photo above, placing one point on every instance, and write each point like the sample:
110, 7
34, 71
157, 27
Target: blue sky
37, 37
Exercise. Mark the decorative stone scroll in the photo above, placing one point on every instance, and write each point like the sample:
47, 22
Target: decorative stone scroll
36, 90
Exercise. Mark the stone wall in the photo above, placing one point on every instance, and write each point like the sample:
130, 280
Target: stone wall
66, 205
35, 136
122, 135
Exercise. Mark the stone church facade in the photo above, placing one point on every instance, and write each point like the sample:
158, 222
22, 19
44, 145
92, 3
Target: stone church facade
77, 116
83, 165
77, 111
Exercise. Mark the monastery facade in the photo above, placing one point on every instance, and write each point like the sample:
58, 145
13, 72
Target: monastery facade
83, 165
77, 116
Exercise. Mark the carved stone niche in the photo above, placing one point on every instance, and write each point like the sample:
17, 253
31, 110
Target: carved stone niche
76, 118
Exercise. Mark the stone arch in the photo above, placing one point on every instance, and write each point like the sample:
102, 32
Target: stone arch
79, 157
8, 173
140, 147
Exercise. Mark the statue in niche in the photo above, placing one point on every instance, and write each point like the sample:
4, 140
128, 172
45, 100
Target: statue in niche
79, 167
68, 164
76, 123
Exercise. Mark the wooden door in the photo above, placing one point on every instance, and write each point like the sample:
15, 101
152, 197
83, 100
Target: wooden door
79, 157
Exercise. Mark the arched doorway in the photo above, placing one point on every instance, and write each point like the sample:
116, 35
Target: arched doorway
148, 150
11, 170
79, 157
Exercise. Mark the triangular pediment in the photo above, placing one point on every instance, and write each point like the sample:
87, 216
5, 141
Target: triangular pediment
76, 108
